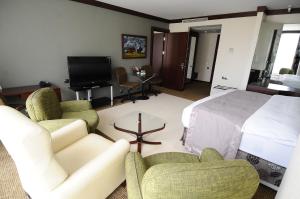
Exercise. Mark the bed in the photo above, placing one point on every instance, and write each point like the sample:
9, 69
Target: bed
268, 135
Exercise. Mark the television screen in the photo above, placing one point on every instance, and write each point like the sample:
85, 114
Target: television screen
89, 71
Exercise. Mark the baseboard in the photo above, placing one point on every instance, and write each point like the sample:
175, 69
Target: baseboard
269, 185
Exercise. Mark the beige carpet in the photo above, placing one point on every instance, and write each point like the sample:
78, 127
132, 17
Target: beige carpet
9, 180
167, 107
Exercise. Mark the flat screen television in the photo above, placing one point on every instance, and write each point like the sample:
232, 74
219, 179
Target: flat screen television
89, 71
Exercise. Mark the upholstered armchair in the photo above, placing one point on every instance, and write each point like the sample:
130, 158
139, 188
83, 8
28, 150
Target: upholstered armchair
180, 176
67, 164
286, 71
44, 107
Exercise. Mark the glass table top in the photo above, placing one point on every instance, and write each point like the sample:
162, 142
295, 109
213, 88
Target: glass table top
130, 121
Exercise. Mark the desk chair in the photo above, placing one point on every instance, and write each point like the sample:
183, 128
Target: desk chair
156, 81
122, 80
286, 71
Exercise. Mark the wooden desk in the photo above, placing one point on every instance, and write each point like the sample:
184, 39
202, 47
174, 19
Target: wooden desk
23, 92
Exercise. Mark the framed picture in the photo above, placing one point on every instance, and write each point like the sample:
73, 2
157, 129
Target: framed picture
134, 46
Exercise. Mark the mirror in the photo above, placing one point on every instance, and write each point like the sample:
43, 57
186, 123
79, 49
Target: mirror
277, 55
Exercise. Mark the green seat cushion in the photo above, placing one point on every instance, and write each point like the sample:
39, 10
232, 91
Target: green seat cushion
53, 125
90, 116
170, 157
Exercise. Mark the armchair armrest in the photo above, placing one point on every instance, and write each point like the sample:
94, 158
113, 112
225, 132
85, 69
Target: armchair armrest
69, 134
135, 167
98, 178
53, 125
210, 155
75, 106
235, 179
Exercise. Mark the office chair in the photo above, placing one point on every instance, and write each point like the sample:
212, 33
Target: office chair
155, 81
122, 80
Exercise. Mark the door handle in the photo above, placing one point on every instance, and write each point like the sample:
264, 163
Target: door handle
182, 66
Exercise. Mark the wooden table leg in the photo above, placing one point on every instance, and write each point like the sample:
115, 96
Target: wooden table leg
139, 146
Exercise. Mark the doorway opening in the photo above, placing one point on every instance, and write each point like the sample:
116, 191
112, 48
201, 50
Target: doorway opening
203, 50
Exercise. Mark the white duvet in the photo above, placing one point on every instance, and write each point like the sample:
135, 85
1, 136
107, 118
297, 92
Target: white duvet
278, 120
271, 132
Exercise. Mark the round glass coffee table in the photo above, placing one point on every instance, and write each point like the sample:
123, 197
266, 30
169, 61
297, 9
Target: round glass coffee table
139, 124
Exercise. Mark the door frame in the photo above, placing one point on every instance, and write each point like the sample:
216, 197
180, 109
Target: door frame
269, 58
154, 28
192, 34
215, 59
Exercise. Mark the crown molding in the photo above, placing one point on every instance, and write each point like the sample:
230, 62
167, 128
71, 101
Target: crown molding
209, 17
121, 9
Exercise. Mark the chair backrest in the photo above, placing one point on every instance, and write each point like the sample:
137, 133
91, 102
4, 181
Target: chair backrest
30, 147
43, 104
286, 71
121, 75
148, 69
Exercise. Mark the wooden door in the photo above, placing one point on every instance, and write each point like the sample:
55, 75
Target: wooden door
175, 60
157, 52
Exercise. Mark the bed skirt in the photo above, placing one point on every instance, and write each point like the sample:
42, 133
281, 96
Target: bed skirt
268, 171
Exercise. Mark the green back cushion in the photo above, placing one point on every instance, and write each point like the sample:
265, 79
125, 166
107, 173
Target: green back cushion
43, 105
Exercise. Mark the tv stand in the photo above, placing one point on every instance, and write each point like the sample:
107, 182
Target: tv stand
89, 89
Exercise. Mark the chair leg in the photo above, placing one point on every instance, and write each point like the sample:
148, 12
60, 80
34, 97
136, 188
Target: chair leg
154, 91
128, 97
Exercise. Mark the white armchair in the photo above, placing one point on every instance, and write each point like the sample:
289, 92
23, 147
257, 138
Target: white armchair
69, 164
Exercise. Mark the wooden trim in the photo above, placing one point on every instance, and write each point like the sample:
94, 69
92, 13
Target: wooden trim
242, 14
210, 17
122, 10
153, 28
221, 16
122, 43
290, 31
262, 9
215, 59
271, 50
283, 11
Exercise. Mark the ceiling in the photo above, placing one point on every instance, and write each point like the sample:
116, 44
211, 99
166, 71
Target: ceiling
177, 9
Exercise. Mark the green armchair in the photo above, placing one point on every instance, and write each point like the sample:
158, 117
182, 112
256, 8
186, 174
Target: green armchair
283, 71
179, 176
43, 107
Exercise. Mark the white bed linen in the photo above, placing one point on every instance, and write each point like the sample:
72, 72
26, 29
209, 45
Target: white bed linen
272, 131
273, 134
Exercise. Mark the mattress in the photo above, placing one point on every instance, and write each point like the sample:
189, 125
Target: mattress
256, 139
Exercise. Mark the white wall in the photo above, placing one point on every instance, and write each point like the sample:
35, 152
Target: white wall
236, 48
36, 36
205, 55
284, 19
